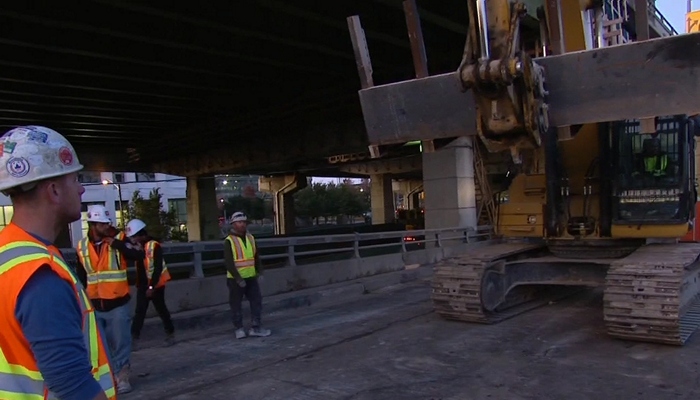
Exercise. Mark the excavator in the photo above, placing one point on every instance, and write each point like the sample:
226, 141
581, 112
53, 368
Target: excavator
601, 146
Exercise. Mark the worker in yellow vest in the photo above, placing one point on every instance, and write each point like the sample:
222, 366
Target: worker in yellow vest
244, 273
151, 276
103, 257
51, 346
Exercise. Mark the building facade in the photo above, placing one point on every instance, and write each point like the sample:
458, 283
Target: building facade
104, 188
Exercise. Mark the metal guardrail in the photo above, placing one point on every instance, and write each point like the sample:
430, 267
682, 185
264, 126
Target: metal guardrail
661, 19
287, 251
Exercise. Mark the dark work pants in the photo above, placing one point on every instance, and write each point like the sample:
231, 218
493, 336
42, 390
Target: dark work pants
235, 298
142, 301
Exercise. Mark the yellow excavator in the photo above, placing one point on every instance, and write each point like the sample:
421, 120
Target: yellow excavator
601, 145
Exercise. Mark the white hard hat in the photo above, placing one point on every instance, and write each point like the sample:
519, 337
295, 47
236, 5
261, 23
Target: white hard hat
134, 226
98, 213
29, 154
238, 216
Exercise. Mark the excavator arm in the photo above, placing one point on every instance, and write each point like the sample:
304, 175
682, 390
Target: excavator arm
510, 100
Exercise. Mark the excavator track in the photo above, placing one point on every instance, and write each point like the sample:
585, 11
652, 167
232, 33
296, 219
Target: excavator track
652, 294
457, 285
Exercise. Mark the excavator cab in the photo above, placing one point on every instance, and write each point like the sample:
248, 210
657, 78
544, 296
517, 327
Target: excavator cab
654, 172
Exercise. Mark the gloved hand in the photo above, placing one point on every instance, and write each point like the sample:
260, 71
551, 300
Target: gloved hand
241, 282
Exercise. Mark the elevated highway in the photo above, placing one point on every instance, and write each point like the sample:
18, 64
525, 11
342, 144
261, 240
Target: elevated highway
266, 87
261, 86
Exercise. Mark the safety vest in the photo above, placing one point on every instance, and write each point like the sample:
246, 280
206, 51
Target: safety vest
20, 379
243, 255
149, 262
106, 272
656, 164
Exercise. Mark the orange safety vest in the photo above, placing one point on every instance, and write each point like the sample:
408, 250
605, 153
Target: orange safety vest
106, 272
149, 262
243, 255
20, 256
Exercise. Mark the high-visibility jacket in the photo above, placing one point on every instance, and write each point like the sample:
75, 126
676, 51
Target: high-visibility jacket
149, 264
656, 164
243, 255
106, 272
20, 379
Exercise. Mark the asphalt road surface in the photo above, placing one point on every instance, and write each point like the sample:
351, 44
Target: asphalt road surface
390, 345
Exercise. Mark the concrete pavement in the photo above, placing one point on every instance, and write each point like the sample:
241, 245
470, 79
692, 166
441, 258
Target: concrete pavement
389, 345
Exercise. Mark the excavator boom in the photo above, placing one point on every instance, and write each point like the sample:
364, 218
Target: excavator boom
630, 81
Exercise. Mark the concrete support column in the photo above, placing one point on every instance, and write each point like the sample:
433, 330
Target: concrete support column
448, 182
283, 189
410, 190
381, 199
202, 210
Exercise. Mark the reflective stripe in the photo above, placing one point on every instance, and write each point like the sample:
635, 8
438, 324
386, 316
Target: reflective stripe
18, 252
19, 382
84, 254
243, 255
150, 260
107, 276
21, 387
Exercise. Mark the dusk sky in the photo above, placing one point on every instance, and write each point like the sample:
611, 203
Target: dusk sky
674, 11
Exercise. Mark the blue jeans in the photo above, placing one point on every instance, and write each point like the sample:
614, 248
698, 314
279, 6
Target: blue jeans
116, 327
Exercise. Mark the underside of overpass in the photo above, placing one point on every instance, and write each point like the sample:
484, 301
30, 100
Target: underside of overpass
257, 86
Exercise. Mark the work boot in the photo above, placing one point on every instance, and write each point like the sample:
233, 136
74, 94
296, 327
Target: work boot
240, 333
258, 331
123, 385
169, 340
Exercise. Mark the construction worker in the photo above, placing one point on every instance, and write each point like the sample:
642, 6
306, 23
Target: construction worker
244, 274
102, 263
151, 276
655, 160
50, 343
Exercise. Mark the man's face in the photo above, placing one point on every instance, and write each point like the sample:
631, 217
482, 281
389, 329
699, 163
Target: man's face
240, 226
139, 239
100, 229
65, 193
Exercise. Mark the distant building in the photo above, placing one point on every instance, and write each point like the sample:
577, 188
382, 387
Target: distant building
173, 188
237, 185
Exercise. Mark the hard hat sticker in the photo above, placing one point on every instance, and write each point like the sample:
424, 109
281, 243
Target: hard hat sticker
37, 136
17, 167
8, 147
66, 156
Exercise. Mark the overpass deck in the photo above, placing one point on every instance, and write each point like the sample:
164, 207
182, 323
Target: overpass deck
180, 87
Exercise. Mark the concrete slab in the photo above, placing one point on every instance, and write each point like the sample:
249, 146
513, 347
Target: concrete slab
392, 346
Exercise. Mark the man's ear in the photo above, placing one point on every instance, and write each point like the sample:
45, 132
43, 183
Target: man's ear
51, 190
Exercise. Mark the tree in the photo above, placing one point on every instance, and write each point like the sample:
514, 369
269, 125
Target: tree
159, 223
307, 203
330, 200
254, 207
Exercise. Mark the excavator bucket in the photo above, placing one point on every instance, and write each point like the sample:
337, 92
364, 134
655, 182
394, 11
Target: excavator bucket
630, 81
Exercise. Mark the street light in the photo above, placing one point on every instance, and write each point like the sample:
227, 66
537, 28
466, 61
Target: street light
106, 182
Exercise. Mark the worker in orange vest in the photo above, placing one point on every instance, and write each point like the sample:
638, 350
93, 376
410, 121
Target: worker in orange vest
50, 343
102, 262
151, 276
